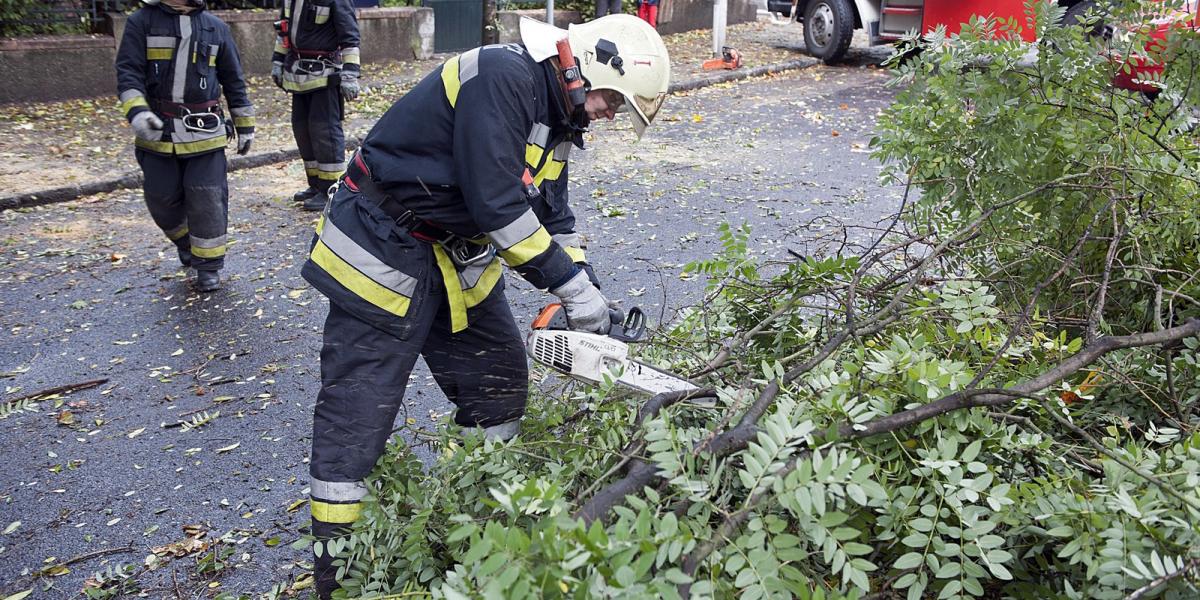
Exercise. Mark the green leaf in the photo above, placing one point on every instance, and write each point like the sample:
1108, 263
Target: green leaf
908, 561
948, 570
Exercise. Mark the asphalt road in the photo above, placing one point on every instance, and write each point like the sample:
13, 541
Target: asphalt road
90, 290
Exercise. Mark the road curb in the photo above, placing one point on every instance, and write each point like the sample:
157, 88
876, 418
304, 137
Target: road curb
133, 179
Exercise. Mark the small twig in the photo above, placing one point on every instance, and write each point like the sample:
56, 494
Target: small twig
1149, 587
88, 556
62, 389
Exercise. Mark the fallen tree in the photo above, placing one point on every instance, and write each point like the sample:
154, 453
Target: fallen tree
994, 398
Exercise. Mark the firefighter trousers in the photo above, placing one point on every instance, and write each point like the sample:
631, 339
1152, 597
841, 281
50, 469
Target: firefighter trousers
364, 373
317, 126
188, 198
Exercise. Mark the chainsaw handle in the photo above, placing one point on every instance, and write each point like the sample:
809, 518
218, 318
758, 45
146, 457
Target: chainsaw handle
632, 325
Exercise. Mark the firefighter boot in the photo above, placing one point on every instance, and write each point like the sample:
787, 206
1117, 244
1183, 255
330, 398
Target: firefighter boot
208, 281
316, 201
305, 194
324, 571
185, 256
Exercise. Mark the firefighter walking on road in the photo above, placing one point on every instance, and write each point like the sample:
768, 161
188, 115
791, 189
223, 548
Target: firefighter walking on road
316, 59
467, 169
174, 60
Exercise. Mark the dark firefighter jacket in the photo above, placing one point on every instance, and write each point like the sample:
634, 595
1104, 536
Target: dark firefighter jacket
172, 64
453, 151
322, 41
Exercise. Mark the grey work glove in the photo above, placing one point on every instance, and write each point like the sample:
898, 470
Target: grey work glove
147, 126
244, 141
349, 85
587, 308
277, 74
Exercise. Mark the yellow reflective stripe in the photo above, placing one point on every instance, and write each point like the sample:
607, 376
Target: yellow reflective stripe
450, 80
177, 233
479, 292
327, 512
212, 60
326, 175
243, 121
527, 249
155, 146
217, 252
159, 53
362, 286
576, 254
552, 170
200, 146
533, 154
129, 104
311, 84
454, 292
350, 59
320, 224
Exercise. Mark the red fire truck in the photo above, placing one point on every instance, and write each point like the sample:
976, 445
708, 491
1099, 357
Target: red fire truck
829, 24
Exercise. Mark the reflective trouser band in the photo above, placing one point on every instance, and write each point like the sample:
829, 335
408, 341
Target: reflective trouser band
336, 512
208, 248
454, 293
177, 233
357, 283
328, 171
450, 80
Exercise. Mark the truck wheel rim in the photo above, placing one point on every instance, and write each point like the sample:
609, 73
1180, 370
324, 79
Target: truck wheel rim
822, 25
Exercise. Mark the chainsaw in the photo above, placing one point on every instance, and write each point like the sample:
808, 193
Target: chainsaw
591, 357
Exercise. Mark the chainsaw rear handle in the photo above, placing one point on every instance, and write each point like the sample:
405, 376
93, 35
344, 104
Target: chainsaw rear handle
633, 325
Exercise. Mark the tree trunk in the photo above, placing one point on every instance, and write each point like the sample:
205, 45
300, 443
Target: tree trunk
491, 27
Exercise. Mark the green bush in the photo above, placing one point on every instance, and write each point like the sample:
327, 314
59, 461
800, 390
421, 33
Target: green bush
913, 419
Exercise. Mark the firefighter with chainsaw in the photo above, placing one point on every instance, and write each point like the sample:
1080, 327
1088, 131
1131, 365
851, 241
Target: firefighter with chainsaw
465, 171
174, 60
316, 60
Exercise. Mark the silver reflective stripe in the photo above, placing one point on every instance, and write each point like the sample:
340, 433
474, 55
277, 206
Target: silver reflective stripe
310, 164
241, 111
337, 491
539, 135
562, 151
348, 52
128, 95
365, 262
468, 66
160, 41
469, 276
568, 240
183, 55
336, 167
299, 13
217, 242
513, 233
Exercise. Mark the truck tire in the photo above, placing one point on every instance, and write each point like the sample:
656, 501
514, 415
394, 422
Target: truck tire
828, 29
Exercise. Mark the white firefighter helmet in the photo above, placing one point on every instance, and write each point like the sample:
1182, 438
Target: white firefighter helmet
618, 52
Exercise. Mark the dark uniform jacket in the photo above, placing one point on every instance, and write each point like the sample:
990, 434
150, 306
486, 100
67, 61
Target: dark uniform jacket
174, 64
453, 150
322, 41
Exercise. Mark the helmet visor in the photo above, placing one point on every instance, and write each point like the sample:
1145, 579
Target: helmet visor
644, 111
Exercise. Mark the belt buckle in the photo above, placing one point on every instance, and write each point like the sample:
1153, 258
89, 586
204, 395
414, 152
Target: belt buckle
465, 254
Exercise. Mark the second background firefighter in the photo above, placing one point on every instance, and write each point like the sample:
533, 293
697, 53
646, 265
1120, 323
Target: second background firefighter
316, 59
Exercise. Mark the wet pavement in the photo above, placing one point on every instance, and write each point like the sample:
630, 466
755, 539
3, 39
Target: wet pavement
203, 420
